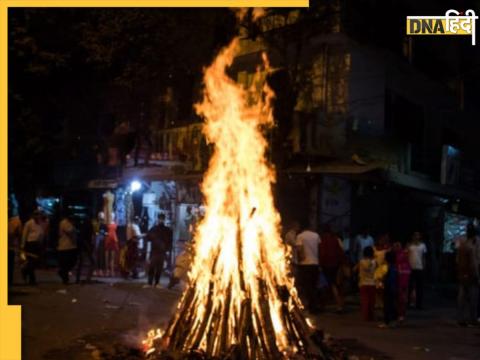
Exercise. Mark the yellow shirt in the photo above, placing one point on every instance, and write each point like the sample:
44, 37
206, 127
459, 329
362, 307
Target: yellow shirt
366, 272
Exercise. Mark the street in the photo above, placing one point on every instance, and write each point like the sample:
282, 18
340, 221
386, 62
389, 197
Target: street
89, 321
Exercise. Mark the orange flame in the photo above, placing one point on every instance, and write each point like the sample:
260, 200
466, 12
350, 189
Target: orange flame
239, 262
238, 181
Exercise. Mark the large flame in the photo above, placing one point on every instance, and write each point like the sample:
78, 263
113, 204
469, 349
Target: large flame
241, 227
240, 295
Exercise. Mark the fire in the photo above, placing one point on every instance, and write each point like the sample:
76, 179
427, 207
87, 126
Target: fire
148, 343
240, 297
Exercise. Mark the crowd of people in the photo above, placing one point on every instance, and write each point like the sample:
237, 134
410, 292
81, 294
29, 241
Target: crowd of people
387, 275
88, 247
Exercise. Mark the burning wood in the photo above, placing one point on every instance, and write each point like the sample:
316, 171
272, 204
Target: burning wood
240, 302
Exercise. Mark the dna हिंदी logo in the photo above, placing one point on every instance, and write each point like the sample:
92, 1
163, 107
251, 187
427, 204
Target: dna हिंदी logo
453, 23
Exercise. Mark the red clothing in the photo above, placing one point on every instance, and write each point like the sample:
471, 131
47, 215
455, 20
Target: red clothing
403, 268
367, 301
331, 253
111, 240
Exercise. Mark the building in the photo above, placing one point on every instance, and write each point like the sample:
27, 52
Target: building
371, 139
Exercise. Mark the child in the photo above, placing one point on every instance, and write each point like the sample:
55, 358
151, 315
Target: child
379, 250
366, 283
390, 291
380, 273
403, 268
182, 266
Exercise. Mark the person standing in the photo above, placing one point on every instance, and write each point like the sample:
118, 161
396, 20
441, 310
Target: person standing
134, 236
417, 251
160, 237
347, 244
100, 231
362, 240
390, 291
403, 268
32, 238
382, 246
366, 283
331, 259
86, 247
290, 241
66, 248
307, 244
14, 238
182, 266
468, 280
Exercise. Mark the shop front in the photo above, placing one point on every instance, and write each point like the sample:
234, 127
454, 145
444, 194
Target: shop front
141, 197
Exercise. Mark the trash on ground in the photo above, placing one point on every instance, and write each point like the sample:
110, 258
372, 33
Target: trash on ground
112, 306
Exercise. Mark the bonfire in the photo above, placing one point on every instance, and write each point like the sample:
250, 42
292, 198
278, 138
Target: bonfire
240, 301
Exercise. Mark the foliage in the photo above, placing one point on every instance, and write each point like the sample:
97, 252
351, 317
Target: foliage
63, 63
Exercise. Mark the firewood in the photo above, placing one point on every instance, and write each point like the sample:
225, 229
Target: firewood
224, 343
205, 320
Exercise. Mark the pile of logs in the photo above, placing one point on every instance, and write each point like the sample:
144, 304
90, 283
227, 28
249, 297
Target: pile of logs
236, 325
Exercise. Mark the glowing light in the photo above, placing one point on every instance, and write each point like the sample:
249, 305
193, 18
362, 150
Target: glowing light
135, 185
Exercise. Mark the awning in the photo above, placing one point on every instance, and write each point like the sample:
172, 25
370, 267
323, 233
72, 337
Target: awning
419, 183
335, 167
157, 174
102, 184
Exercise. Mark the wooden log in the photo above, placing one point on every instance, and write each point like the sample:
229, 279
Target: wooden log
240, 255
213, 332
174, 328
253, 339
187, 327
206, 318
224, 331
178, 331
262, 349
244, 330
265, 317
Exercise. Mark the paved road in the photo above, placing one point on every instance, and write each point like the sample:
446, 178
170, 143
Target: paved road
77, 322
428, 334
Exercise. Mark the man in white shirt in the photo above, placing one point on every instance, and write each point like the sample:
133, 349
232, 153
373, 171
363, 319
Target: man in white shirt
362, 240
307, 243
134, 244
416, 256
32, 238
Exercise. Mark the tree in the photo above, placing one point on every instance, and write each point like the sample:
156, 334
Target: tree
65, 64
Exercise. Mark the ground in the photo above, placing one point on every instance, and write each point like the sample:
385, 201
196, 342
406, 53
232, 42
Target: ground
80, 321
